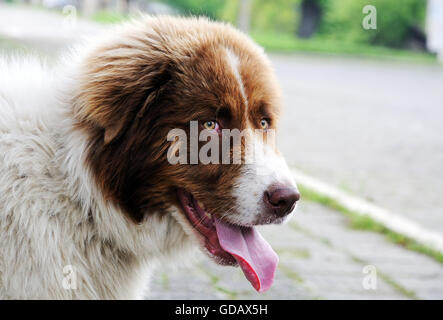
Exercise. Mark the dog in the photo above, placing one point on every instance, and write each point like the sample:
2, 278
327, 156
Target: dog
90, 203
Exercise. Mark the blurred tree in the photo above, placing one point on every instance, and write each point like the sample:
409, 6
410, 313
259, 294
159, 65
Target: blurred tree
230, 11
210, 8
274, 16
311, 11
398, 21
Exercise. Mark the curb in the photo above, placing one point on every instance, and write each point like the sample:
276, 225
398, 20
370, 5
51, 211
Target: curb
362, 207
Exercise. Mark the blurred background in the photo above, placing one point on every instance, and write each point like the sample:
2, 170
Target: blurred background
362, 130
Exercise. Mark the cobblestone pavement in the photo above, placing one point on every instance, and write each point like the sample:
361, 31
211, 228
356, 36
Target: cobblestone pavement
320, 258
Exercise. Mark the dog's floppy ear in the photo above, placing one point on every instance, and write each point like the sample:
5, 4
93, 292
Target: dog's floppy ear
118, 86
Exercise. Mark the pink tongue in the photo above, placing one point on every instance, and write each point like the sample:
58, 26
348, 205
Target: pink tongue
254, 255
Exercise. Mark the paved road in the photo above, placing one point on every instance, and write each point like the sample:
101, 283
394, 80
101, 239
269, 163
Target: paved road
45, 32
372, 128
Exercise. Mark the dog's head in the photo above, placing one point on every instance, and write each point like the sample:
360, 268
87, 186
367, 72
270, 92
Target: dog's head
201, 92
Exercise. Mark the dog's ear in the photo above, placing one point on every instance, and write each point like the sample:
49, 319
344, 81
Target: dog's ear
118, 87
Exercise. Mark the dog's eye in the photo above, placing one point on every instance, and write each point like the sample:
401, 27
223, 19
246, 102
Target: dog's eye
210, 125
264, 123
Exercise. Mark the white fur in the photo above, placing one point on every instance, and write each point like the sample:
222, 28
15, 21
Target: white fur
233, 62
266, 168
51, 213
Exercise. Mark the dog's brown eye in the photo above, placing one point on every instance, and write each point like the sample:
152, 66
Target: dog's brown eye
264, 123
210, 125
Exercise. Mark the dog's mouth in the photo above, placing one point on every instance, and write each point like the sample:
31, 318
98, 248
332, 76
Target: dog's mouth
230, 244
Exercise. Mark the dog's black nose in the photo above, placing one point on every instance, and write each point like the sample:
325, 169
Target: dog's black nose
281, 199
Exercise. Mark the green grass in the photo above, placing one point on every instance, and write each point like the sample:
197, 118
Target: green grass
408, 293
364, 222
287, 43
109, 17
215, 283
289, 272
232, 295
297, 253
394, 284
